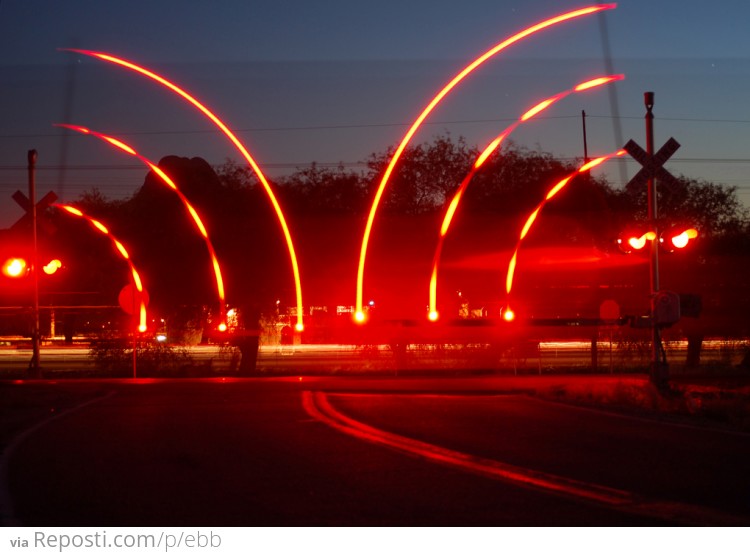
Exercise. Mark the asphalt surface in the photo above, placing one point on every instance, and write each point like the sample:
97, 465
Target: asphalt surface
345, 451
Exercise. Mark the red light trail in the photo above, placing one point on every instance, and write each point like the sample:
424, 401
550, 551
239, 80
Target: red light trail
492, 147
359, 312
235, 141
123, 252
317, 406
191, 210
507, 311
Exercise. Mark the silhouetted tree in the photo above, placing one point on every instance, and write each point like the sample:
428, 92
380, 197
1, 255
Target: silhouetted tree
426, 176
324, 191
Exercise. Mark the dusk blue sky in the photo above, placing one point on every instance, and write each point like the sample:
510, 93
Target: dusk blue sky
336, 80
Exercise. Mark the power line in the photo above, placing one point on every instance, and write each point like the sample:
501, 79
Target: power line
380, 125
292, 165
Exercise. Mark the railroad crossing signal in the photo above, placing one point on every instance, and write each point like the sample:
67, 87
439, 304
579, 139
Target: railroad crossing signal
22, 200
653, 166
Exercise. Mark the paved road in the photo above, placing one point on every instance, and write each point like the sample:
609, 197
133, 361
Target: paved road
321, 451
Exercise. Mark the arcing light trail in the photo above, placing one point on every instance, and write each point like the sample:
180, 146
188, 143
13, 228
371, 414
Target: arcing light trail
508, 313
359, 308
486, 153
191, 210
123, 252
235, 141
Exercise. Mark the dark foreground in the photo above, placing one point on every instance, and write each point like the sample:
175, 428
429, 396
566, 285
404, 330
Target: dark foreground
347, 451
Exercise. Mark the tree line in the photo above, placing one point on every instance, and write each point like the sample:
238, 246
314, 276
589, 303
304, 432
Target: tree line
326, 208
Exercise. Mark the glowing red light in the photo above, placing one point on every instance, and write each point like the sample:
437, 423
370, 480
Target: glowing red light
511, 271
432, 104
142, 316
171, 184
100, 226
52, 267
233, 139
681, 240
541, 106
598, 82
73, 210
553, 192
508, 314
14, 267
493, 146
639, 242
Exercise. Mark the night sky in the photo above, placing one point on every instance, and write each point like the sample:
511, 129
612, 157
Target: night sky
333, 81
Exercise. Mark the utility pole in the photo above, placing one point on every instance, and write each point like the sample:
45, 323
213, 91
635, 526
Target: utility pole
667, 302
595, 336
659, 367
585, 142
34, 369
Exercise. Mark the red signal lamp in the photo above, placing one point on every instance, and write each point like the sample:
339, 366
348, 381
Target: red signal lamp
52, 267
635, 240
678, 238
15, 267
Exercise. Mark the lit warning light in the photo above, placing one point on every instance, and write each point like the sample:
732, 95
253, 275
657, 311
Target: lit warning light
52, 267
223, 327
635, 241
433, 316
359, 316
14, 267
682, 239
299, 327
508, 314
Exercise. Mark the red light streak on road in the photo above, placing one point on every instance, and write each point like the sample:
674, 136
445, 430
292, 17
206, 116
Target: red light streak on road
535, 214
359, 313
123, 252
317, 406
492, 147
191, 210
237, 144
